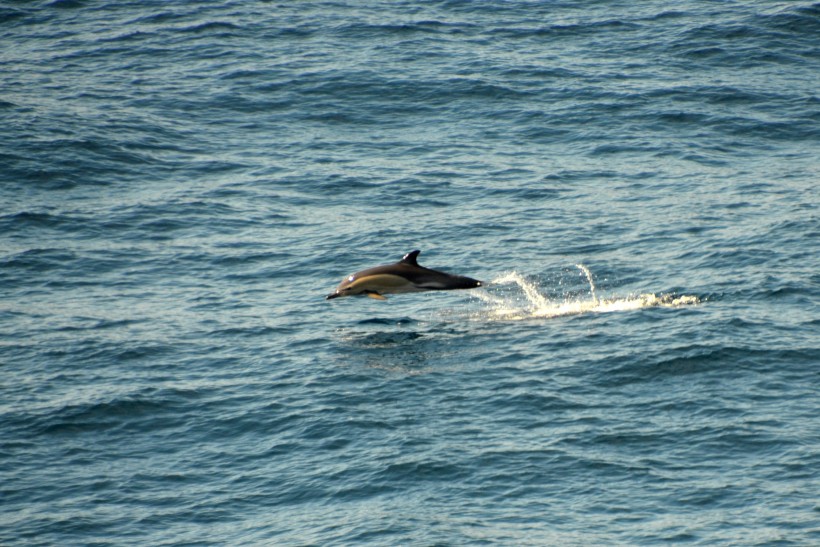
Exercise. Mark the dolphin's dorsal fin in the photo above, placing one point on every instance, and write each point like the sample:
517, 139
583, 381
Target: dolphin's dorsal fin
410, 258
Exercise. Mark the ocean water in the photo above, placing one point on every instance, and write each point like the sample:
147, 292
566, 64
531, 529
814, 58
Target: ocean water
181, 184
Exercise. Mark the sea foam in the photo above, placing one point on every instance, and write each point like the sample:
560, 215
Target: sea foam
528, 301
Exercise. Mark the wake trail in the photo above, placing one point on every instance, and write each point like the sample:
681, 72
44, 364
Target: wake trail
535, 305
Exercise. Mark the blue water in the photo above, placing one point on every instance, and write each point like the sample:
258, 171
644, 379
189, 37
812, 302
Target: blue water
635, 182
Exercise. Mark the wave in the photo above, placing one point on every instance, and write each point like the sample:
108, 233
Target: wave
527, 301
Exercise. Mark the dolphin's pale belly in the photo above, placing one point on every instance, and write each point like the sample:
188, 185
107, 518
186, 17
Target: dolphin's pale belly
385, 284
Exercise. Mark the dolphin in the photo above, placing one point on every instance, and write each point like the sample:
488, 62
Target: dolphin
404, 276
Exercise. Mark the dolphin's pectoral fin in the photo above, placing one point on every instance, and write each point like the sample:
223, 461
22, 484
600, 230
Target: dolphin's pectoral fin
375, 295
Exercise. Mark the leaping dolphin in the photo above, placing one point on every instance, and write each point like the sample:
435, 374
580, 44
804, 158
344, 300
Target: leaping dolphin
404, 276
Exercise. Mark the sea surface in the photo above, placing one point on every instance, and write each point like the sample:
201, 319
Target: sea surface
636, 183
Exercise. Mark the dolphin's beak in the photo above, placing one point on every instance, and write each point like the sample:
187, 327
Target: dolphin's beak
332, 295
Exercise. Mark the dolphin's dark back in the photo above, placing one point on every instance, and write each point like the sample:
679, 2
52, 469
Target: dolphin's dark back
408, 267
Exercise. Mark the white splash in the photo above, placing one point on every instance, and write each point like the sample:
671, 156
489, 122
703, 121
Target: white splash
535, 305
589, 279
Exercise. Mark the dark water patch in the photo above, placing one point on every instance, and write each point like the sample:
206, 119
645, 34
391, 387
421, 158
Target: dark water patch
796, 230
392, 321
386, 339
795, 21
399, 31
786, 290
423, 93
669, 14
146, 410
29, 220
414, 192
756, 39
771, 130
64, 163
702, 362
511, 401
90, 323
401, 351
216, 28
623, 148
248, 332
422, 470
38, 260
249, 257
747, 256
135, 37
92, 347
544, 133
332, 183
66, 4
9, 14
538, 74
571, 31
159, 18
532, 194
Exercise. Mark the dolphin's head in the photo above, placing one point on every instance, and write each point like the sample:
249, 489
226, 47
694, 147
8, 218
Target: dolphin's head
346, 288
374, 283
